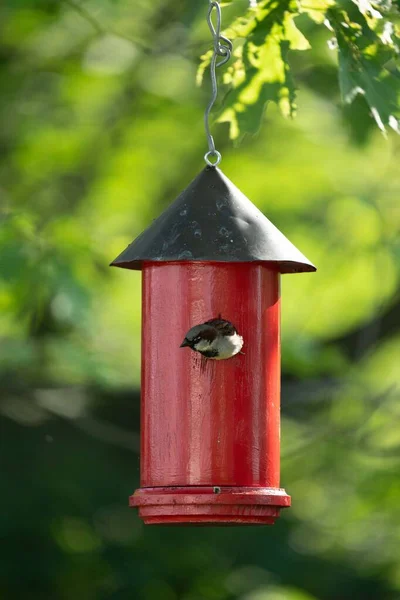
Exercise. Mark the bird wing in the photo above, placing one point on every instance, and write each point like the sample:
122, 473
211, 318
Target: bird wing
222, 326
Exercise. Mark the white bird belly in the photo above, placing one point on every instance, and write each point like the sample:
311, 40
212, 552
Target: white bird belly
227, 346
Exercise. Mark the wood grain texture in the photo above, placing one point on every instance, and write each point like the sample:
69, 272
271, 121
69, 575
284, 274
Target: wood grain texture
215, 422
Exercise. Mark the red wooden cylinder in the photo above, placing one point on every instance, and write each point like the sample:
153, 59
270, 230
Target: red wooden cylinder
210, 430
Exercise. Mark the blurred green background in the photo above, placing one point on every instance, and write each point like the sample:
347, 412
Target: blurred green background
101, 128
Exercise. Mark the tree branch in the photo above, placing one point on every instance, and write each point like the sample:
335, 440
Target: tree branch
98, 27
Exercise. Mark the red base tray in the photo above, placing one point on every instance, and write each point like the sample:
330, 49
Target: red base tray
209, 505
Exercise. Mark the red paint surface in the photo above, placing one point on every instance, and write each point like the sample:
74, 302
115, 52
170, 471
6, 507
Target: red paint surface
218, 425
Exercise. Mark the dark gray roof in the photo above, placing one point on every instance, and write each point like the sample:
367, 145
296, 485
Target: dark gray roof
212, 220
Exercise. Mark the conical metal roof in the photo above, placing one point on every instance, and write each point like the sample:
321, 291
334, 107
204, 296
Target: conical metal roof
212, 220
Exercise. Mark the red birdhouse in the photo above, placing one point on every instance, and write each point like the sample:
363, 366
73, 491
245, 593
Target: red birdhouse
210, 429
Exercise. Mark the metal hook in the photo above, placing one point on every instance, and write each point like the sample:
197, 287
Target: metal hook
217, 155
222, 48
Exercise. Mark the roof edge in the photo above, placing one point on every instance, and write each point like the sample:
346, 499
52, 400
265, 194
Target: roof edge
282, 266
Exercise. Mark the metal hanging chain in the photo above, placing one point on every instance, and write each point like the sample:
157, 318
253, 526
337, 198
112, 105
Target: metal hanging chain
223, 48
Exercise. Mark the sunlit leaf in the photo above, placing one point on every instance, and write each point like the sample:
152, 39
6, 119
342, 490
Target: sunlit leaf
262, 73
368, 46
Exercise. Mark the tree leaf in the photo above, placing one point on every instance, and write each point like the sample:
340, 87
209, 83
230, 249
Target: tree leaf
262, 73
362, 70
368, 45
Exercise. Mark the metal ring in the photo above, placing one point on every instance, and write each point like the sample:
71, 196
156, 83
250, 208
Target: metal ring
213, 153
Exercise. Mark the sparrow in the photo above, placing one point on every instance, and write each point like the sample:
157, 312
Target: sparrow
217, 339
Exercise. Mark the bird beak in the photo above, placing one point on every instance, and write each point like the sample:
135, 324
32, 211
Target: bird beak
184, 343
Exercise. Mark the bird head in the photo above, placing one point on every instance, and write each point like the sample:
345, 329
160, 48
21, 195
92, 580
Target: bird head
200, 337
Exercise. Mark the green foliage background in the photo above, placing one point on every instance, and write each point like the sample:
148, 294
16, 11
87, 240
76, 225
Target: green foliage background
101, 127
